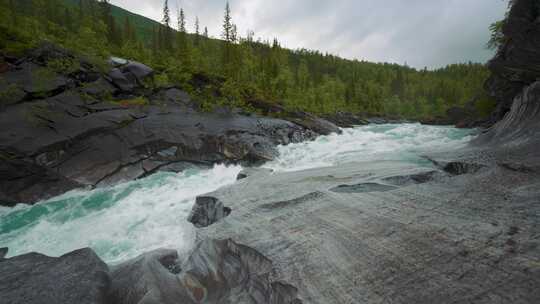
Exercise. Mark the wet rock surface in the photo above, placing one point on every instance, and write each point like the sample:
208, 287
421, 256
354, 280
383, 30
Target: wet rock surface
416, 178
362, 188
3, 252
465, 234
77, 277
207, 211
435, 238
217, 271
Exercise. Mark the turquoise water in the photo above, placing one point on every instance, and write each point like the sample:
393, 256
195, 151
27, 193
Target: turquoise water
118, 222
122, 221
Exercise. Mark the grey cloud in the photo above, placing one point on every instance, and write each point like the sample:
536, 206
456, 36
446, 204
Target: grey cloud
422, 33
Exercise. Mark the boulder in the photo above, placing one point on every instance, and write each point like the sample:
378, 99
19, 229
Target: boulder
207, 211
138, 70
117, 61
245, 173
76, 277
314, 123
217, 272
128, 75
150, 276
120, 80
304, 119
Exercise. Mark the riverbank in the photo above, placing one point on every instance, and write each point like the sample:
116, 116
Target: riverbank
77, 127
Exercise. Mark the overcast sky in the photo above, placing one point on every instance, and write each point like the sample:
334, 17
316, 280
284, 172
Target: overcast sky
429, 33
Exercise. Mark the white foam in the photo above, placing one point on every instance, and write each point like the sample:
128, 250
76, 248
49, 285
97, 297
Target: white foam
372, 142
123, 221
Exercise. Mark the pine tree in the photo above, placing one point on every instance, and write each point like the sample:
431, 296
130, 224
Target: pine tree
81, 10
166, 14
197, 31
14, 12
68, 20
181, 21
154, 41
128, 30
205, 34
234, 33
167, 34
108, 20
227, 24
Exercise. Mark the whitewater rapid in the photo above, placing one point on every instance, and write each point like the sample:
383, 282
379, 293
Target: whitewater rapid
123, 221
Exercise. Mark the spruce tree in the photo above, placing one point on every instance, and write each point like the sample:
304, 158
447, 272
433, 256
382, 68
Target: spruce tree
166, 35
128, 30
234, 34
13, 10
181, 21
166, 14
205, 34
197, 31
227, 24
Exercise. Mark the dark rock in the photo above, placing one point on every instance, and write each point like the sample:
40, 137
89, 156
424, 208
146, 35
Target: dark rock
345, 120
129, 76
517, 63
314, 123
292, 203
304, 119
76, 277
207, 211
247, 172
514, 139
121, 81
46, 52
217, 272
145, 277
406, 180
241, 175
517, 167
363, 188
99, 88
35, 80
24, 182
521, 124
460, 168
3, 252
138, 70
174, 96
377, 120
74, 135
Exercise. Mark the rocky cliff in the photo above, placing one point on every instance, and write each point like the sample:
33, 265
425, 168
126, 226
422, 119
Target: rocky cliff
515, 138
65, 124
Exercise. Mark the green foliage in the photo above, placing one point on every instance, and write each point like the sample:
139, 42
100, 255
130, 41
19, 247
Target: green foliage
64, 65
9, 94
497, 36
485, 106
238, 70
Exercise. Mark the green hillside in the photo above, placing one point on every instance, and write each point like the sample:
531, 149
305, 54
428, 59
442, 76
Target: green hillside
238, 71
143, 25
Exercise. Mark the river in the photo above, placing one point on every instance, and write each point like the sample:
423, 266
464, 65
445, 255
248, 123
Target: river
125, 220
